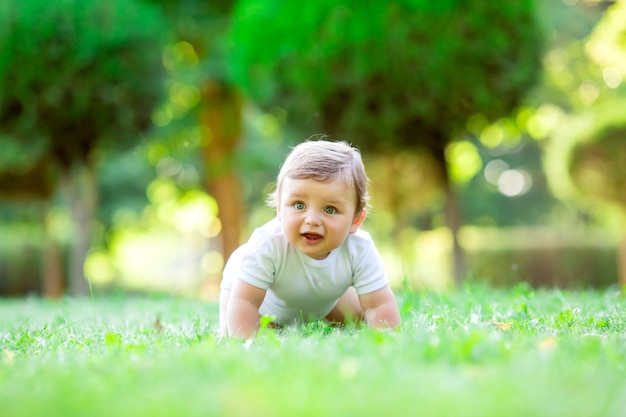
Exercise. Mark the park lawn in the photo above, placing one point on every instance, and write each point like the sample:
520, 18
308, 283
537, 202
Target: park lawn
475, 352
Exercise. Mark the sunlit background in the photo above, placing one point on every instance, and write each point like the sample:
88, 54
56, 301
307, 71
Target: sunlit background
145, 174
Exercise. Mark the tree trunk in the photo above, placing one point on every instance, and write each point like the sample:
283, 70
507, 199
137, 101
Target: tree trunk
53, 285
453, 219
79, 188
221, 118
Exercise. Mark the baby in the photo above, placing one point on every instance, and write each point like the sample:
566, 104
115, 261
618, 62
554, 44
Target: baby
311, 261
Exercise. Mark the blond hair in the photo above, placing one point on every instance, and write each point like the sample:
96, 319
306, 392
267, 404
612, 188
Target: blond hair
324, 161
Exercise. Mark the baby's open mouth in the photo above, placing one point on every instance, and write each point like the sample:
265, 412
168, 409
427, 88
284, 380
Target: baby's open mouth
312, 237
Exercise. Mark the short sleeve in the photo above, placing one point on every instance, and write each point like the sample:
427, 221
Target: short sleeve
368, 267
259, 263
255, 262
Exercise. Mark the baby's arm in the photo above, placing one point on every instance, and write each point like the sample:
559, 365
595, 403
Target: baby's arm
380, 308
243, 309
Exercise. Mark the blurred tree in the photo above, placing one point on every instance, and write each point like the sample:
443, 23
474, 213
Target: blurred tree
389, 75
571, 80
76, 75
598, 168
598, 164
598, 159
588, 144
199, 60
515, 144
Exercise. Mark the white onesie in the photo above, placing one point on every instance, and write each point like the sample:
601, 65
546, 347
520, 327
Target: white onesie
299, 287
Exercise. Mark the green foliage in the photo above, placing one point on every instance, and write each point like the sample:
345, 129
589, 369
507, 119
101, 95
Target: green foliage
77, 73
584, 157
202, 24
480, 351
123, 180
598, 164
385, 74
597, 156
18, 155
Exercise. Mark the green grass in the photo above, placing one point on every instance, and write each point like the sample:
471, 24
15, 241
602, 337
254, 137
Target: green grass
476, 352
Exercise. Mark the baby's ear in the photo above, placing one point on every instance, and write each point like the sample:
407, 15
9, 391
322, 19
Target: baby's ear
277, 206
358, 221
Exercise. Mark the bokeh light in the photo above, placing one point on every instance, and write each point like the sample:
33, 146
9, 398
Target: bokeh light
612, 77
464, 161
99, 268
514, 182
494, 169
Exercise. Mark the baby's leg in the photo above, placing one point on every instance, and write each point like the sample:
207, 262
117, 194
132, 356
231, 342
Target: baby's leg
347, 310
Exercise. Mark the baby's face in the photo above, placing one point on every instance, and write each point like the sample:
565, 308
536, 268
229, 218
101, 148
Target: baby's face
317, 216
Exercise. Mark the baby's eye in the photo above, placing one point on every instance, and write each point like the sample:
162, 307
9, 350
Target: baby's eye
330, 210
299, 205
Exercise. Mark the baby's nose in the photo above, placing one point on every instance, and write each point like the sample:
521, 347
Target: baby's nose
312, 217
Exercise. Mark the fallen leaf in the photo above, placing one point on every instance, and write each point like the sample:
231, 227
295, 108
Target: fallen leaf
501, 326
